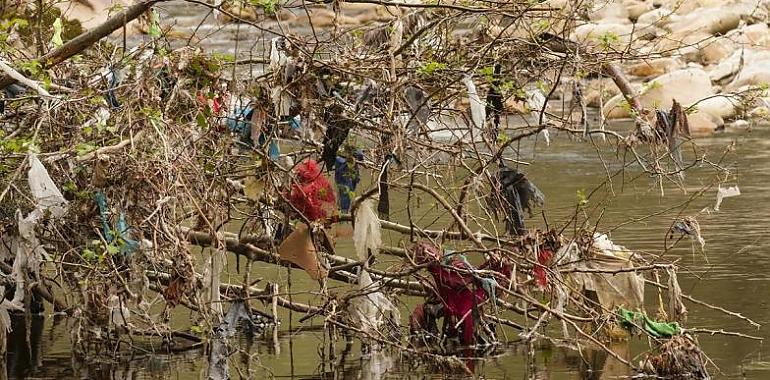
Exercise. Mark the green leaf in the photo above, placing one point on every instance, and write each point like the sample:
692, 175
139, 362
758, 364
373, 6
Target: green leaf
582, 198
56, 39
88, 255
155, 24
431, 67
84, 148
201, 119
112, 250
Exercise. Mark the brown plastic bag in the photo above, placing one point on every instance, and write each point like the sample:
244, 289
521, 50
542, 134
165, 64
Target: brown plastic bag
298, 248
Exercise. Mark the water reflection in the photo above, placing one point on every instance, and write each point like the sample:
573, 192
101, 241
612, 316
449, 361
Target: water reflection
24, 359
47, 356
41, 349
734, 273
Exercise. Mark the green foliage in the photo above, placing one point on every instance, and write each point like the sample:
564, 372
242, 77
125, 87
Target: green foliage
223, 57
649, 86
60, 29
267, 6
82, 149
624, 104
154, 24
17, 144
607, 39
432, 67
57, 29
32, 67
200, 119
488, 72
582, 199
541, 25
89, 255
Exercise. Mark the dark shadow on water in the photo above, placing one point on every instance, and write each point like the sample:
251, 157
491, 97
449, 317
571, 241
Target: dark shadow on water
49, 356
24, 359
38, 359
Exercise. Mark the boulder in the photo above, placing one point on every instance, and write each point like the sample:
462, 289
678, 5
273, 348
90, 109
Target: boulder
322, 17
755, 36
703, 124
637, 8
722, 107
684, 7
92, 13
657, 17
684, 44
609, 12
655, 67
687, 86
716, 50
755, 73
613, 35
719, 20
599, 91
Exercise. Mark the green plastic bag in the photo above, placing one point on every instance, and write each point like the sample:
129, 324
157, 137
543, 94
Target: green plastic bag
630, 319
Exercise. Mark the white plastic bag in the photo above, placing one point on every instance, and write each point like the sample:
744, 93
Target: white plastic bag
478, 114
723, 193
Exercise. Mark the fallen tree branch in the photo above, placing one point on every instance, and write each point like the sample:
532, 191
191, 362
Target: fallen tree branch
18, 77
88, 38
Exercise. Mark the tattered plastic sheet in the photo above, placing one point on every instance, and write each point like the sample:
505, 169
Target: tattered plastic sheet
299, 249
44, 191
28, 250
612, 289
419, 104
676, 308
372, 310
478, 113
218, 365
723, 193
367, 235
689, 226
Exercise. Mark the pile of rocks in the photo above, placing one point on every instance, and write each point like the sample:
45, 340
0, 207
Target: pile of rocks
713, 55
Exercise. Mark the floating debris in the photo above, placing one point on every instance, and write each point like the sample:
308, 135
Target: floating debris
723, 193
678, 358
689, 226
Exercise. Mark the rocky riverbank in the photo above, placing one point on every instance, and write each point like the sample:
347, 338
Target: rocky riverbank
712, 56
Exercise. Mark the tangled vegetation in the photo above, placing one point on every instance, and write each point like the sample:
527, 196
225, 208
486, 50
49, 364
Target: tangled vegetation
167, 158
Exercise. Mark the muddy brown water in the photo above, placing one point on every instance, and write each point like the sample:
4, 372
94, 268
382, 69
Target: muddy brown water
734, 273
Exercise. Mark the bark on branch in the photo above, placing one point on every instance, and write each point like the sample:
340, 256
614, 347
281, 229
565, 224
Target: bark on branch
88, 38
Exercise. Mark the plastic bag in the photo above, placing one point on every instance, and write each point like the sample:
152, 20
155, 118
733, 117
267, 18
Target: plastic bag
478, 114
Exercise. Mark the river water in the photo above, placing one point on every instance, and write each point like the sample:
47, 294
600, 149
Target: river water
734, 273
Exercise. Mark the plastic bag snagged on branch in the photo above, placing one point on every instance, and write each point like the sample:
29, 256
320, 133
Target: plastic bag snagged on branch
478, 112
632, 320
44, 191
298, 248
612, 289
723, 193
367, 232
373, 310
689, 226
28, 250
513, 193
